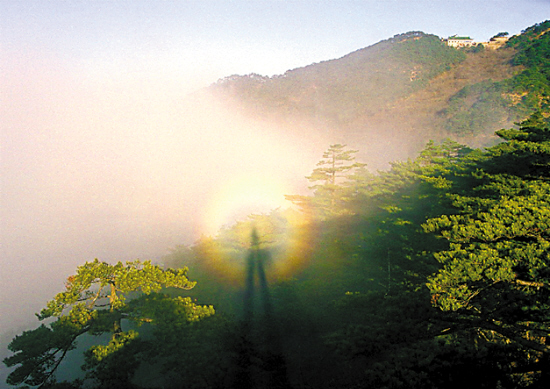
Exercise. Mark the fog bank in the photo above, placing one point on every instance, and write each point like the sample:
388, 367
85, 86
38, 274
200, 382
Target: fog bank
123, 168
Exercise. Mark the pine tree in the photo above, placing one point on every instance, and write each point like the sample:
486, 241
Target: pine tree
334, 170
95, 302
495, 276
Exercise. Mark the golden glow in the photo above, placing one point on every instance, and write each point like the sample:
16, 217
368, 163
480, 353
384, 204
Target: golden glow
240, 196
286, 235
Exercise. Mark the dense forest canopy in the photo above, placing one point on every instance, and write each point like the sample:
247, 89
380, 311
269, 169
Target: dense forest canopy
433, 273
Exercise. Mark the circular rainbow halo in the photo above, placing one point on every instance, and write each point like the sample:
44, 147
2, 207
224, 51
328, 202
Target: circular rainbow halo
246, 204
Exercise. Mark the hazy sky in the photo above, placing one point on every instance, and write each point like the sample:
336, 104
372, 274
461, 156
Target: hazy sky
212, 39
101, 157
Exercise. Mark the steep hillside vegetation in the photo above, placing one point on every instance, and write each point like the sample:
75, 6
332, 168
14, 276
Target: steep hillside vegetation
471, 110
339, 91
401, 92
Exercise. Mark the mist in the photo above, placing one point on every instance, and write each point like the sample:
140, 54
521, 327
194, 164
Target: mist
121, 163
120, 167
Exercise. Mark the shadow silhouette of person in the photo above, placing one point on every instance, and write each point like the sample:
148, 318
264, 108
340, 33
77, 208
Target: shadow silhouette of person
260, 361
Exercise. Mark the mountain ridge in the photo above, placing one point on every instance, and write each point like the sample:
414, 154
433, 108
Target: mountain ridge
401, 92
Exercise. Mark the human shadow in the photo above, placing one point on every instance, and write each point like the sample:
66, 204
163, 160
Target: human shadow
259, 359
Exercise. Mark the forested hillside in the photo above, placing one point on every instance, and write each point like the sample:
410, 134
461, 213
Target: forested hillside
433, 273
340, 91
405, 91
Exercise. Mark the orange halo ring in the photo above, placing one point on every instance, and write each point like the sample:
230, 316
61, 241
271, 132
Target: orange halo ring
290, 251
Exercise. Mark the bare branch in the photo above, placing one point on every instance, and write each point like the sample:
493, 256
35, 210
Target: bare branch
532, 284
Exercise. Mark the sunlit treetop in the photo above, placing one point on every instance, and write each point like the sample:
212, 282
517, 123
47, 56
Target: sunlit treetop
94, 302
336, 162
99, 284
332, 176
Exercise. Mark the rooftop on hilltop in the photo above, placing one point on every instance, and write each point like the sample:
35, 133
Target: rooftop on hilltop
460, 37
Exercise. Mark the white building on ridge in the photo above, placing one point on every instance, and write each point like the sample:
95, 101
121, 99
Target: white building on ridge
460, 41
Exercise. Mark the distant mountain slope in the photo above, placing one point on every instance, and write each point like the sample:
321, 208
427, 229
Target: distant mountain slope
390, 98
484, 106
358, 83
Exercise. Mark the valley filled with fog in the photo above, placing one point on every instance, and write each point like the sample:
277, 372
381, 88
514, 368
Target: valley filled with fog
121, 172
312, 196
125, 166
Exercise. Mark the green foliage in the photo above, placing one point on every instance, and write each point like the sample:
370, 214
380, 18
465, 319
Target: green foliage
98, 281
94, 302
501, 35
480, 106
477, 48
113, 365
475, 108
430, 56
529, 34
335, 173
198, 355
495, 274
492, 209
432, 274
358, 314
164, 311
100, 352
333, 166
389, 342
